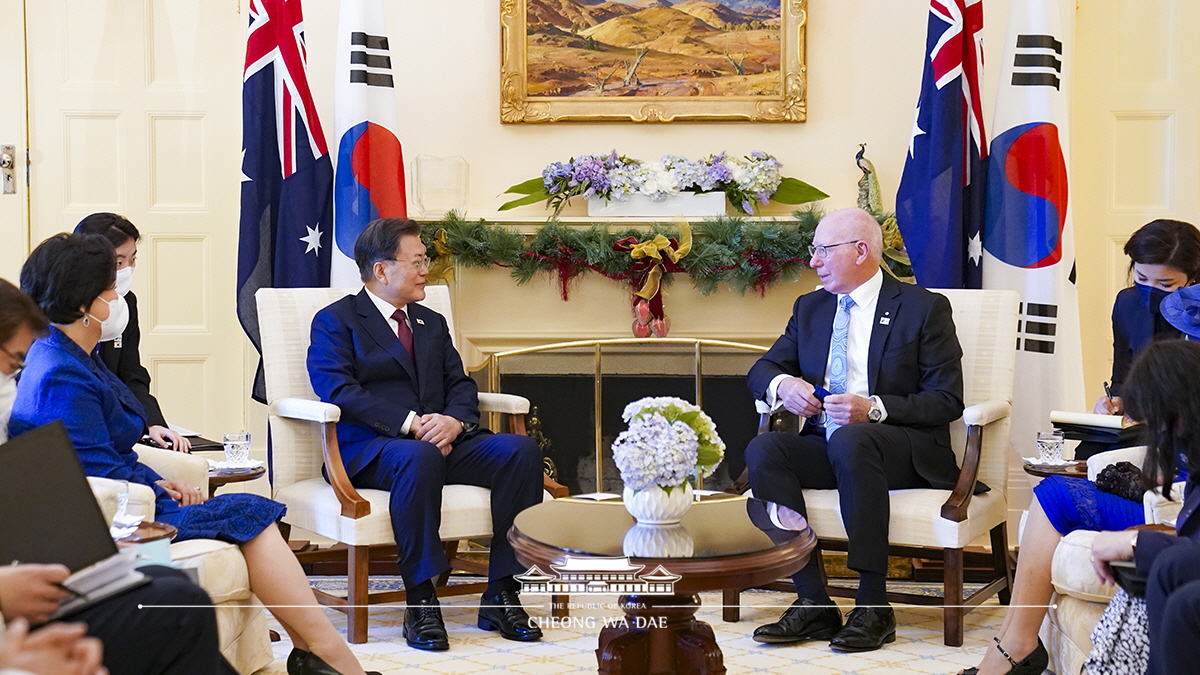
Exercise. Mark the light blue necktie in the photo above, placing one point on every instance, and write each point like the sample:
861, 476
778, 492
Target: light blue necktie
838, 347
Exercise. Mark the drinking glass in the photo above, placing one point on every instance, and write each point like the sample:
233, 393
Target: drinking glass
237, 447
1050, 447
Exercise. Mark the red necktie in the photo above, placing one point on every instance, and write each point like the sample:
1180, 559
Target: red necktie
404, 333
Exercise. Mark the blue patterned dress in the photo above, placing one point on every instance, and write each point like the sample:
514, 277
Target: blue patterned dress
104, 419
1077, 504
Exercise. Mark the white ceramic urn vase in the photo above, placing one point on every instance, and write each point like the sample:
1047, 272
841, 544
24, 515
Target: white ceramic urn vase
656, 506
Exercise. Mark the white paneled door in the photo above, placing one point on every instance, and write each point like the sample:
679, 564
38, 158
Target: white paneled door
134, 108
14, 207
1135, 143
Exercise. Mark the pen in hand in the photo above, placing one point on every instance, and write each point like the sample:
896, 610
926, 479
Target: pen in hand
1108, 392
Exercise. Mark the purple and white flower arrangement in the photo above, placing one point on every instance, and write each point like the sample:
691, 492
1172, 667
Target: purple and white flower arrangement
747, 181
667, 441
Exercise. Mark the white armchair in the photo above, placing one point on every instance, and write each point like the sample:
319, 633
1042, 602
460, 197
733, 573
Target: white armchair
304, 437
243, 635
941, 523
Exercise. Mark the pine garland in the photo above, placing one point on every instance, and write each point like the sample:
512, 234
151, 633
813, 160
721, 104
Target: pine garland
726, 251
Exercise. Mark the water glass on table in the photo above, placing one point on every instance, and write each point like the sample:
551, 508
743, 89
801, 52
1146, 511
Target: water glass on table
1050, 447
237, 448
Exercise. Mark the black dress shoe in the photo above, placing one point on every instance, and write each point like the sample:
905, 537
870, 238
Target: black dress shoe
307, 663
804, 620
423, 626
503, 612
867, 629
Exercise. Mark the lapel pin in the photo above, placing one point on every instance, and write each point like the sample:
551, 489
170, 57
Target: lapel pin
420, 322
884, 321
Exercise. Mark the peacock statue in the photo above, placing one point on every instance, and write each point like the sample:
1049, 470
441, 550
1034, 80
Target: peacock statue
895, 258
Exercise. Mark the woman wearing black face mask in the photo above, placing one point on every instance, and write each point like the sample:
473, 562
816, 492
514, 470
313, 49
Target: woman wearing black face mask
1164, 256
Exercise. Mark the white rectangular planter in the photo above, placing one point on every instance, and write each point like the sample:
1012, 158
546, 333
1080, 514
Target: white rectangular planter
639, 205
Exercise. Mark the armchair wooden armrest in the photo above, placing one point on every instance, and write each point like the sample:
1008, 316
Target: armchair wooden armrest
976, 417
955, 507
353, 504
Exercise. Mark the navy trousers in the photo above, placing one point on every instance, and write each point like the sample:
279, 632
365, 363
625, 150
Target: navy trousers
167, 626
414, 472
861, 461
1173, 607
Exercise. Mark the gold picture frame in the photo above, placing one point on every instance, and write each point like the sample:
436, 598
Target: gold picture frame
572, 68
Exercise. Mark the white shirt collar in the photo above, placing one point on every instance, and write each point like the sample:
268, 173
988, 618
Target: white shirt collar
867, 292
386, 308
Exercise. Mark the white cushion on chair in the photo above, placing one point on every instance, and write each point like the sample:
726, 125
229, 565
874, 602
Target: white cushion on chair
915, 517
313, 506
1072, 573
220, 566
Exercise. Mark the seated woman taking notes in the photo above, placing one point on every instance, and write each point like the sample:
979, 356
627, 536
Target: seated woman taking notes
72, 278
1162, 390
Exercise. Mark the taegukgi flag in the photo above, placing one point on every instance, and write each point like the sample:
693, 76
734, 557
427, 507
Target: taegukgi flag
369, 173
1028, 240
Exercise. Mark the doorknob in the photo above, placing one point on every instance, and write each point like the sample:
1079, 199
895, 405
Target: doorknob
7, 156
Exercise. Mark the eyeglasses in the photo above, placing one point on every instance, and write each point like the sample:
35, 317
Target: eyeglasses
19, 364
420, 263
822, 252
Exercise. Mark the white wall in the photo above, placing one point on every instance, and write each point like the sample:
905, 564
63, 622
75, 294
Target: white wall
864, 61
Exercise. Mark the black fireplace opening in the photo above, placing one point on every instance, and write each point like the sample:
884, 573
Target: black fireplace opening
565, 406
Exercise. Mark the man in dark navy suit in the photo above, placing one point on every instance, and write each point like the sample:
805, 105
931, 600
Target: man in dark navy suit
888, 356
409, 425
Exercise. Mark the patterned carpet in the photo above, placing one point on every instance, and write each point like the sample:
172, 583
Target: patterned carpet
571, 649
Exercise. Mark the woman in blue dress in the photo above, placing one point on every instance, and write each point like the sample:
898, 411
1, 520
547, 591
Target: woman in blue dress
72, 278
1063, 505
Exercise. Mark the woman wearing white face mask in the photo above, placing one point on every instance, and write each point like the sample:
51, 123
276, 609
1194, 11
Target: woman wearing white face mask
72, 279
120, 352
20, 322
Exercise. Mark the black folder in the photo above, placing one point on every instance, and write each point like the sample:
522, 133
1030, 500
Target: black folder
48, 513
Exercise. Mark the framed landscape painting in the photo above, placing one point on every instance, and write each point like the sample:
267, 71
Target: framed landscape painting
653, 60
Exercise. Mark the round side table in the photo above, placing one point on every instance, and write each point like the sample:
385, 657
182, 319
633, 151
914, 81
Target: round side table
151, 530
1073, 470
219, 477
729, 542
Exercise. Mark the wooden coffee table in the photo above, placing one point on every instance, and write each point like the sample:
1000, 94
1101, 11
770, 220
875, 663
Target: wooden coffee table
733, 545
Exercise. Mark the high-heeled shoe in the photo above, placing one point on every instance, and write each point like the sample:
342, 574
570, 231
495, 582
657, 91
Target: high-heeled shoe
295, 661
1034, 664
300, 662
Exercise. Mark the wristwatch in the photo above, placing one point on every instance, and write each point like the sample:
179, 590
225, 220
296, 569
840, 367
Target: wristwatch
876, 412
468, 427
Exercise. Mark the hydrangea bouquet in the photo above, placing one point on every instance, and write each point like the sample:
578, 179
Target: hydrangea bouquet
746, 181
668, 440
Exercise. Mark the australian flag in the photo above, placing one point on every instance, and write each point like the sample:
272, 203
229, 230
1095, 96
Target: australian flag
942, 195
287, 175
